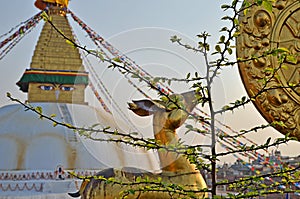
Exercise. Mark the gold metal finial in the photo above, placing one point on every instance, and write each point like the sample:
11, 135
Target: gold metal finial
42, 4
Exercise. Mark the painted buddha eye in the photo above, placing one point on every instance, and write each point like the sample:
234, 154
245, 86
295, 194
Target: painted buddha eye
67, 88
46, 88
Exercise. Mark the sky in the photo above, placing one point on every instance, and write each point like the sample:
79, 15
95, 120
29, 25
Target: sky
141, 29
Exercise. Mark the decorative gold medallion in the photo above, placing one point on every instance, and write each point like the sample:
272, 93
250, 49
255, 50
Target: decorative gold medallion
262, 31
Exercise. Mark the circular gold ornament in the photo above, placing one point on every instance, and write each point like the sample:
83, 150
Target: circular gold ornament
273, 80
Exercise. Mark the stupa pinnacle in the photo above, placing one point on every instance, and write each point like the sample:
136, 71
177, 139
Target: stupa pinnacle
42, 4
56, 72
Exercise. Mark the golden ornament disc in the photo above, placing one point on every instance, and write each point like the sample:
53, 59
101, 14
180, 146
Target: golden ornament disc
273, 80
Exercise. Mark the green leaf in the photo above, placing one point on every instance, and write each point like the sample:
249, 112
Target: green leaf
226, 18
175, 39
100, 56
259, 2
267, 5
188, 126
282, 50
131, 191
117, 59
229, 50
224, 29
95, 125
222, 39
291, 59
164, 98
218, 48
70, 43
45, 16
292, 84
246, 4
69, 125
236, 34
226, 107
268, 141
236, 21
138, 179
244, 98
134, 133
39, 109
188, 75
225, 6
283, 66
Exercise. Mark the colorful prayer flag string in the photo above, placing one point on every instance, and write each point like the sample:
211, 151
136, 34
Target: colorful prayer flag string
14, 38
131, 65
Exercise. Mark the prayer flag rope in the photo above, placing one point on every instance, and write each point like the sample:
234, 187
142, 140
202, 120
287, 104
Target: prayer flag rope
14, 38
131, 65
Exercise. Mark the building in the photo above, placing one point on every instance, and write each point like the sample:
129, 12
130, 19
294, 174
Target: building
36, 154
263, 165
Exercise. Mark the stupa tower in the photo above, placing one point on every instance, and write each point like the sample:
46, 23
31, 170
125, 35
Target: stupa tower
56, 72
37, 151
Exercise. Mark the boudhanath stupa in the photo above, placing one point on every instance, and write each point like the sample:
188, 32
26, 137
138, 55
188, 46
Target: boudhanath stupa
35, 154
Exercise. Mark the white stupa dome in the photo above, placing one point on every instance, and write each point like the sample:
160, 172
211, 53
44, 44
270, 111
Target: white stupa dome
30, 144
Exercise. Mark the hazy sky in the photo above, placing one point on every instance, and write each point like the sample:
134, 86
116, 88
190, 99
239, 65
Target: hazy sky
142, 30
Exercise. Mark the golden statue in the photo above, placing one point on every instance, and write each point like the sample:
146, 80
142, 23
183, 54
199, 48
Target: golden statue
176, 169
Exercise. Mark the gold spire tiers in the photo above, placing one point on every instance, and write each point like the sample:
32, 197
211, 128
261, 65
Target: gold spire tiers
56, 72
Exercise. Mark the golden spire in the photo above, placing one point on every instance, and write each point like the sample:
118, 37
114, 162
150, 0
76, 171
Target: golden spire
56, 71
